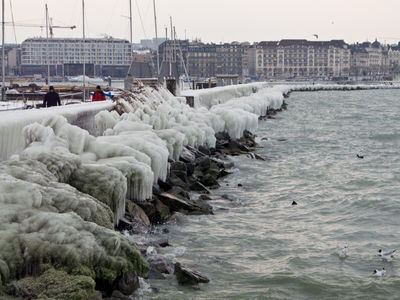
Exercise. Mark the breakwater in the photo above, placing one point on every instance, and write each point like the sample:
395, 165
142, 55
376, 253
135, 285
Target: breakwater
71, 181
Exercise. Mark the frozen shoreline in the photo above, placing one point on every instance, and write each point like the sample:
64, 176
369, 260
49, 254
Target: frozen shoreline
71, 181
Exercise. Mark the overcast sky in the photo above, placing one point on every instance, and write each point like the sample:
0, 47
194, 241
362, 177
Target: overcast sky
215, 20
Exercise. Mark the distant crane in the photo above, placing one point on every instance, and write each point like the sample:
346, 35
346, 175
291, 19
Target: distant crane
51, 26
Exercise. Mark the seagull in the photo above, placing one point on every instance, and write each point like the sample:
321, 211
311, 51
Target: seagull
343, 254
386, 256
360, 156
380, 273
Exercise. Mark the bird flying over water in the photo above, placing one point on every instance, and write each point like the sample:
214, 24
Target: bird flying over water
386, 255
316, 36
360, 156
380, 273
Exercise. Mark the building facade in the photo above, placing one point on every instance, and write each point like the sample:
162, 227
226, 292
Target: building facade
175, 52
372, 60
202, 60
103, 57
290, 59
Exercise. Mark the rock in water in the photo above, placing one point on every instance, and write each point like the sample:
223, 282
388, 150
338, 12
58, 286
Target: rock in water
128, 283
137, 213
184, 275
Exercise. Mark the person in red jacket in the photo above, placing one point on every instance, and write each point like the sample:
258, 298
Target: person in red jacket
98, 94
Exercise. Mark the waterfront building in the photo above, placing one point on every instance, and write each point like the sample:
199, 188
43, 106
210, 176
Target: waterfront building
230, 58
394, 59
202, 59
103, 57
175, 52
299, 59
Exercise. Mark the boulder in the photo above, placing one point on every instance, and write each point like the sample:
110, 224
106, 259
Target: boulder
137, 213
204, 150
128, 283
259, 157
162, 242
178, 191
178, 166
163, 210
209, 180
174, 180
203, 163
150, 210
158, 267
182, 175
191, 207
223, 173
204, 198
190, 169
199, 187
164, 185
156, 189
238, 147
184, 275
187, 156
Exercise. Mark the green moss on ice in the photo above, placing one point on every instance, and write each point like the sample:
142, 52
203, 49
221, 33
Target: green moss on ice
53, 284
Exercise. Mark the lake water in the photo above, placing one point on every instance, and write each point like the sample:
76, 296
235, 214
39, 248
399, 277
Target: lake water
258, 246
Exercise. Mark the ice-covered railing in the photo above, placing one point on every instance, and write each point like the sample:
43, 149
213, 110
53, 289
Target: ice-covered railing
218, 95
12, 122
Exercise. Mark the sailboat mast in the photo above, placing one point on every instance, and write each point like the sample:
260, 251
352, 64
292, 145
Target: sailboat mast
83, 48
130, 21
47, 45
3, 57
172, 39
155, 26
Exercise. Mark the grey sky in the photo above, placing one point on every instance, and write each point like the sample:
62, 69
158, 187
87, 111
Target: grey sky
217, 20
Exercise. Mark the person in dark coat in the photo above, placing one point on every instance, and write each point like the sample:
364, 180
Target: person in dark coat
51, 98
98, 95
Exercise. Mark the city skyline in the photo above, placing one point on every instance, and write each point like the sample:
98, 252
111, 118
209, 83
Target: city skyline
242, 20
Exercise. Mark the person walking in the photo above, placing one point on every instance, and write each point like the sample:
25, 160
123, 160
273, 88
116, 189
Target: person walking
98, 94
51, 98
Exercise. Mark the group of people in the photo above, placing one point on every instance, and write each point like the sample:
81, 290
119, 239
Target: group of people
52, 98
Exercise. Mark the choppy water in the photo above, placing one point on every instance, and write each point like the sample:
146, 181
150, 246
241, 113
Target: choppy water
260, 247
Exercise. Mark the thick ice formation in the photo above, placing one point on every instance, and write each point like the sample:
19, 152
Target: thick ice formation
12, 122
218, 95
109, 168
44, 220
